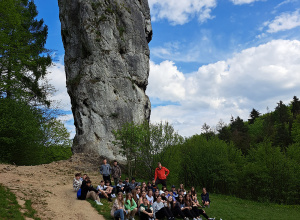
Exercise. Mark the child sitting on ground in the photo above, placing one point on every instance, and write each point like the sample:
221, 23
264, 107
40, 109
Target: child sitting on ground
77, 182
121, 187
102, 191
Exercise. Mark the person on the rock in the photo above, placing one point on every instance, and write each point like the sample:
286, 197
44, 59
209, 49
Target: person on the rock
87, 191
161, 174
116, 172
105, 170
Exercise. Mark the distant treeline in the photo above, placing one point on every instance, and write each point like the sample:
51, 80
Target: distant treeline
258, 159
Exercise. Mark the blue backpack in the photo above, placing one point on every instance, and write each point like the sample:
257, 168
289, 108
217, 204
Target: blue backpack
78, 193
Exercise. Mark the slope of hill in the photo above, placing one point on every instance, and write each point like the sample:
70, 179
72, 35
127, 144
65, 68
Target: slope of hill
49, 187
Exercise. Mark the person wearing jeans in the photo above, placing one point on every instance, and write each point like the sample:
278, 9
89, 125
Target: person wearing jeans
118, 209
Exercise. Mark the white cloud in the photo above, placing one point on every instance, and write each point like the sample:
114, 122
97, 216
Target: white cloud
241, 2
257, 77
57, 78
285, 21
181, 12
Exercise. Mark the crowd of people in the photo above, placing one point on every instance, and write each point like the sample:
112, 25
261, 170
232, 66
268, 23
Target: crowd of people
144, 200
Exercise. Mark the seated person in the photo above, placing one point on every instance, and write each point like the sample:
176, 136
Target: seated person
175, 208
205, 197
104, 191
87, 191
149, 186
181, 187
77, 182
146, 210
110, 189
156, 194
126, 185
118, 208
154, 187
83, 177
120, 187
174, 191
130, 206
150, 197
160, 211
133, 184
142, 196
163, 189
144, 186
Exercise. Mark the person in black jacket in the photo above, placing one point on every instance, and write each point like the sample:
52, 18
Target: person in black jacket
88, 191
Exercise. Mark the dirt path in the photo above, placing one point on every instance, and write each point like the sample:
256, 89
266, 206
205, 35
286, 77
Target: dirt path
49, 187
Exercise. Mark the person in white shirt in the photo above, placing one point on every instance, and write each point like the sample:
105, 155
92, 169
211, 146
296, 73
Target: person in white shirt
102, 189
150, 197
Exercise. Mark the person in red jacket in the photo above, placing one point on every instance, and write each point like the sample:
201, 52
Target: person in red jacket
161, 174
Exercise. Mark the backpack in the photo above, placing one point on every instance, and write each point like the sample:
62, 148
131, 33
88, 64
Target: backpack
78, 193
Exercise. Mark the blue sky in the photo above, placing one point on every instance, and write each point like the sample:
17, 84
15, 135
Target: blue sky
210, 59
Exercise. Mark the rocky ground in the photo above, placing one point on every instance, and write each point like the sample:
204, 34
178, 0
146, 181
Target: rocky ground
49, 186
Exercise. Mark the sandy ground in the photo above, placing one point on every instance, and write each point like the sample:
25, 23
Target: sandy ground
49, 187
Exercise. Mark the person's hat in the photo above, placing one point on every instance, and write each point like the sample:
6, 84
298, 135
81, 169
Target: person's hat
132, 178
173, 186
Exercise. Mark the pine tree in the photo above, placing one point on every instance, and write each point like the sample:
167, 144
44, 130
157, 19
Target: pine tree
23, 57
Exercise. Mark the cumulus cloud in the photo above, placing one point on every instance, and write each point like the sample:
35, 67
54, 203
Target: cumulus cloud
57, 78
181, 12
241, 2
257, 77
285, 21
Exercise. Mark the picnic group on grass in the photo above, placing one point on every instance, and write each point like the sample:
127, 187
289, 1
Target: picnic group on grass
144, 200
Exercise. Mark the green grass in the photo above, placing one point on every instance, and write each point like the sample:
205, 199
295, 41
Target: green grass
103, 209
9, 207
30, 212
231, 208
228, 207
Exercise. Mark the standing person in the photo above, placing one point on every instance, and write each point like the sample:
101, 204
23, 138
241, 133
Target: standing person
116, 172
105, 170
161, 174
118, 208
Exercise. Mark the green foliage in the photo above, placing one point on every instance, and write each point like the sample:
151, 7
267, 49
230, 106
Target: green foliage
23, 57
28, 138
211, 163
20, 133
144, 145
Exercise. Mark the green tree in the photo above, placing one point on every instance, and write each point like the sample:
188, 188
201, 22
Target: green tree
254, 114
20, 133
295, 106
23, 57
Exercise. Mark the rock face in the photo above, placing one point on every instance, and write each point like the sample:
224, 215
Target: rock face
107, 68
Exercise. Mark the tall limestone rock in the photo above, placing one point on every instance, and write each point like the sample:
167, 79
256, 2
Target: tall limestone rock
107, 68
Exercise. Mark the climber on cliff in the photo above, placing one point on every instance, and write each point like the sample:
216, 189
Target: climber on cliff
105, 170
161, 174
